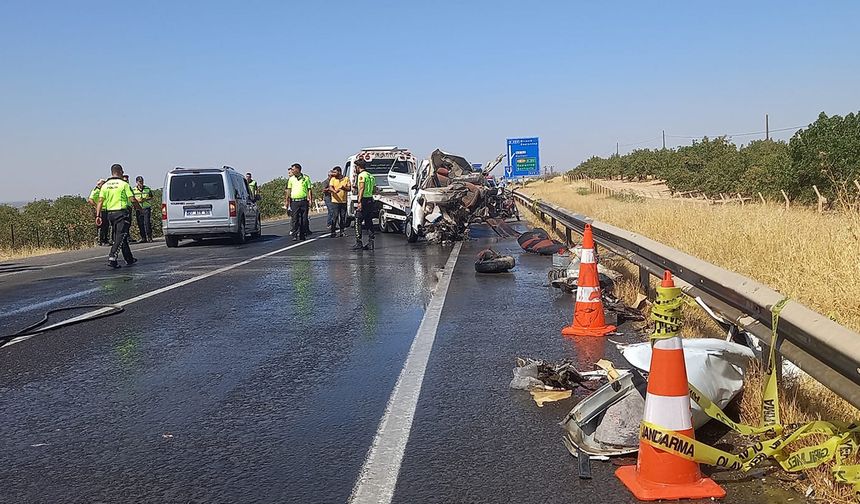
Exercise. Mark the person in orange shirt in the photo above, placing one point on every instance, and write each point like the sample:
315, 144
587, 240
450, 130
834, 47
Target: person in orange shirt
338, 188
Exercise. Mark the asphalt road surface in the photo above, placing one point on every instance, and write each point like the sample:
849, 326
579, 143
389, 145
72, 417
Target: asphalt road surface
283, 372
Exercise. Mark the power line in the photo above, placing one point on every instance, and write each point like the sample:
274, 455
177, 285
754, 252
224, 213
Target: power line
752, 133
640, 143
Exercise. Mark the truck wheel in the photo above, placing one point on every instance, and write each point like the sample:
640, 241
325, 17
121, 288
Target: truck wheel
411, 233
384, 225
239, 238
171, 241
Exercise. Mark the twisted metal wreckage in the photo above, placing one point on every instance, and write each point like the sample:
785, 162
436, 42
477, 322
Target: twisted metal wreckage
452, 195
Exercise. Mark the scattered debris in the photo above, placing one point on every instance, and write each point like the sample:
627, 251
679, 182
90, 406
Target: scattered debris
490, 261
565, 272
538, 241
37, 445
618, 405
167, 435
544, 396
531, 374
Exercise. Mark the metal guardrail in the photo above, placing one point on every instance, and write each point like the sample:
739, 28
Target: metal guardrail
825, 350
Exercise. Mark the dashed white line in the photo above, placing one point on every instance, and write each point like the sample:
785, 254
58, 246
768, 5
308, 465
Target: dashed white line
378, 476
162, 290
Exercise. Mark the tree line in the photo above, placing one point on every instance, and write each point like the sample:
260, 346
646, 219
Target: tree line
68, 222
825, 154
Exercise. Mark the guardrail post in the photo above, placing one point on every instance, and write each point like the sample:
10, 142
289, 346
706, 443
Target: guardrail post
645, 282
554, 230
568, 236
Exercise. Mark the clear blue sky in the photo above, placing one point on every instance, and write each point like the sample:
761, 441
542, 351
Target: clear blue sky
259, 85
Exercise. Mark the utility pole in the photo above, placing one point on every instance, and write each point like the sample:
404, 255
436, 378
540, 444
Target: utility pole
664, 139
766, 127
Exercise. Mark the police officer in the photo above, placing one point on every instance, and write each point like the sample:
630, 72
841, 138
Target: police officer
143, 195
115, 197
298, 196
94, 201
252, 186
366, 184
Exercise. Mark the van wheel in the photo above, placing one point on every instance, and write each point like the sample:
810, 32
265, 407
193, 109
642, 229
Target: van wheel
240, 237
171, 241
259, 232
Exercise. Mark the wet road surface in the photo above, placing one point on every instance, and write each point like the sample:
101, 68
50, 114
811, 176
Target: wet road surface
267, 382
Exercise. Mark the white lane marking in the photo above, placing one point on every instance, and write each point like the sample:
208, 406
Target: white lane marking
49, 266
49, 302
162, 290
265, 225
378, 476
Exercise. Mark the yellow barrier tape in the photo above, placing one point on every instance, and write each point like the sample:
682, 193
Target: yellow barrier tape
770, 394
842, 443
666, 313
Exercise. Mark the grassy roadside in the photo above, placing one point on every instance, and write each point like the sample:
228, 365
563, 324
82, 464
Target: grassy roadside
11, 255
808, 256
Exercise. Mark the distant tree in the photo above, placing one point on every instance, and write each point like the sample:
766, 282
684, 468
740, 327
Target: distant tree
826, 154
768, 169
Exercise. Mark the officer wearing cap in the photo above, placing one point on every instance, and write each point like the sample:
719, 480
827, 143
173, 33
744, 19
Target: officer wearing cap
143, 195
115, 197
93, 200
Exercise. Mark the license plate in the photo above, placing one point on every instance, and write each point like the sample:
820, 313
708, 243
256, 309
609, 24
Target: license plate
198, 213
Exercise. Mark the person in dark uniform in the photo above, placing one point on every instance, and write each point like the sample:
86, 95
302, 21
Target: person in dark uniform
143, 195
115, 197
94, 201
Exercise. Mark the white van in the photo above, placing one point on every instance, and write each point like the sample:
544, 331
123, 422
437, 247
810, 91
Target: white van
208, 203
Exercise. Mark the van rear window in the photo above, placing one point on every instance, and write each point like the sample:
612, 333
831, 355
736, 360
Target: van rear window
196, 187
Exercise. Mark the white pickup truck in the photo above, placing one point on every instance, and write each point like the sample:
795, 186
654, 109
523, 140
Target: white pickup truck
395, 171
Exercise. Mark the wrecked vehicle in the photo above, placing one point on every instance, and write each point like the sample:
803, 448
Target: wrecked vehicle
437, 199
451, 195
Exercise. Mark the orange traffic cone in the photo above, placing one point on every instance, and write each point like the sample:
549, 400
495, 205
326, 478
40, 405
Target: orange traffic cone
588, 317
659, 474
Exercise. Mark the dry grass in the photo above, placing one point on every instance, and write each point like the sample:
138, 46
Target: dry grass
810, 257
11, 255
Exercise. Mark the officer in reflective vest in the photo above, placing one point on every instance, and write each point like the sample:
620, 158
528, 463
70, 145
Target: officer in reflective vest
252, 186
94, 201
115, 197
298, 196
143, 195
364, 208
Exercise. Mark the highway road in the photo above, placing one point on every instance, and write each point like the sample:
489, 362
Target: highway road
284, 372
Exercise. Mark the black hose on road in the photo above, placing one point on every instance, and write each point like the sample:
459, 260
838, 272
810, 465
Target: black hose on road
37, 328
